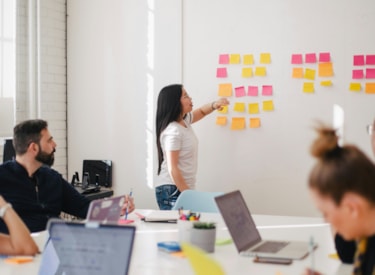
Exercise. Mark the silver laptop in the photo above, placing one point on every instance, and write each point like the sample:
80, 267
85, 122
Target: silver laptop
106, 210
246, 236
87, 248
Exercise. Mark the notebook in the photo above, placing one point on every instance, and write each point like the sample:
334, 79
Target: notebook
246, 236
106, 210
170, 216
87, 248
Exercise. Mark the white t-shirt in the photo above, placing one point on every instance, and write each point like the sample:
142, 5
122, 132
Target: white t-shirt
178, 138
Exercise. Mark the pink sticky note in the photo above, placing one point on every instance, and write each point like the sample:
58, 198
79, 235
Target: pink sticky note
370, 73
252, 90
310, 58
357, 74
240, 91
370, 59
358, 60
221, 72
297, 59
224, 59
267, 90
324, 57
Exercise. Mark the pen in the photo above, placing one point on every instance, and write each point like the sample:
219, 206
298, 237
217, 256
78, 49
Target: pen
312, 255
127, 206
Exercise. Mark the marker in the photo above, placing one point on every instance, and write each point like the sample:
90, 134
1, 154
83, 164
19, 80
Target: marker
127, 207
312, 255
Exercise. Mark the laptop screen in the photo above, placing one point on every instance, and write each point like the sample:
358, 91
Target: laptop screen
87, 249
238, 219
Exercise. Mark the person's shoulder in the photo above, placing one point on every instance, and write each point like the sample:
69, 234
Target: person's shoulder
47, 170
8, 165
173, 128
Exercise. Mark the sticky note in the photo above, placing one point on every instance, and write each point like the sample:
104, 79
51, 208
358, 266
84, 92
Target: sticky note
225, 89
324, 57
248, 59
326, 83
370, 59
310, 58
19, 259
370, 73
239, 91
239, 107
224, 110
254, 122
268, 105
234, 59
355, 87
260, 71
297, 73
358, 60
325, 69
265, 58
370, 88
297, 59
309, 74
238, 123
267, 90
308, 87
224, 59
253, 108
252, 90
247, 72
221, 72
357, 74
221, 120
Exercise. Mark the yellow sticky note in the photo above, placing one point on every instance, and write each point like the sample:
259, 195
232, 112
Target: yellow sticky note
238, 123
248, 59
247, 72
297, 73
225, 89
234, 59
309, 74
308, 87
221, 120
254, 122
239, 107
325, 69
355, 87
334, 256
326, 83
253, 108
265, 58
201, 263
370, 88
260, 71
224, 110
268, 105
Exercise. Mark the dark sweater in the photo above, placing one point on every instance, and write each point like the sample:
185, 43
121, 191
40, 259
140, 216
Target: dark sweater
39, 198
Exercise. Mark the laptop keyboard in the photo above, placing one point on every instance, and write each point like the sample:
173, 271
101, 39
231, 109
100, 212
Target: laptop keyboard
270, 247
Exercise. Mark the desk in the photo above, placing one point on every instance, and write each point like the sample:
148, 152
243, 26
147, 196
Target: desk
147, 260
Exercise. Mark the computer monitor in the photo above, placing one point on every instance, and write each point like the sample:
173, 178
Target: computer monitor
98, 169
8, 153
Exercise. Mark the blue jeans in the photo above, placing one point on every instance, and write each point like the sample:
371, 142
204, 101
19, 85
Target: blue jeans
166, 196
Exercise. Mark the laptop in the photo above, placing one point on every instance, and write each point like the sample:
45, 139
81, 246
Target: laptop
246, 236
106, 210
87, 248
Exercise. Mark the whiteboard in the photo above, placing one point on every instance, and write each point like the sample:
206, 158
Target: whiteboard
270, 164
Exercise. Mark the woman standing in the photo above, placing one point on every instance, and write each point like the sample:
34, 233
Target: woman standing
176, 142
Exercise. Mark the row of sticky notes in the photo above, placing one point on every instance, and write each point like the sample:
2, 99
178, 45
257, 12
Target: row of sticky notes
361, 60
310, 58
324, 70
246, 72
238, 123
359, 74
248, 59
226, 90
253, 108
357, 87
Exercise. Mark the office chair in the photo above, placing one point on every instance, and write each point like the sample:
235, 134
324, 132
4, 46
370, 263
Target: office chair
197, 201
8, 153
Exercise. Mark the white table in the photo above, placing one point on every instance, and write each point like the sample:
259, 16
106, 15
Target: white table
147, 260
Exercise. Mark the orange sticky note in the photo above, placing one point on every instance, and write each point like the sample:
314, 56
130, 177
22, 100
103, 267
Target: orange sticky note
297, 73
260, 71
265, 58
225, 89
19, 259
248, 59
221, 120
268, 105
247, 72
234, 59
239, 107
355, 87
309, 74
254, 122
308, 87
238, 123
325, 69
370, 88
253, 108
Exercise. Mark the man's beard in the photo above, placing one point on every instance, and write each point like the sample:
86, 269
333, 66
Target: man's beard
46, 158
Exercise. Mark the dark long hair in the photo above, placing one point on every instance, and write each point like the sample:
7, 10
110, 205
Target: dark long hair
168, 110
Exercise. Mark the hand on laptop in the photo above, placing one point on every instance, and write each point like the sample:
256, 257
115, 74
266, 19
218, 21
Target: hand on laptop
128, 204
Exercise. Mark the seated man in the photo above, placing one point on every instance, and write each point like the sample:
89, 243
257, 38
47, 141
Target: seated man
36, 191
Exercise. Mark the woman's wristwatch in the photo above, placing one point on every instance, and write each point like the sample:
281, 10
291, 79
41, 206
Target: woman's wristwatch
4, 209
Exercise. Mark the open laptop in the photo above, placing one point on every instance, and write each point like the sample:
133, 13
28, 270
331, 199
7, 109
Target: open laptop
87, 248
246, 236
106, 210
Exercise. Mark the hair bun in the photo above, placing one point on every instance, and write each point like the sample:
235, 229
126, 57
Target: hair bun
325, 143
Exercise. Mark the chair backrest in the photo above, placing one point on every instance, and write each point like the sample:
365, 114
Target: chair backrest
8, 153
197, 201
